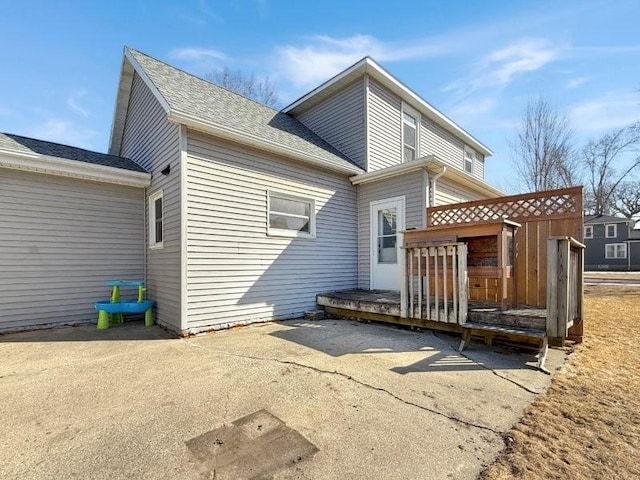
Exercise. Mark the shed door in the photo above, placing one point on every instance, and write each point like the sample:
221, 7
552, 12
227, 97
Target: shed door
387, 219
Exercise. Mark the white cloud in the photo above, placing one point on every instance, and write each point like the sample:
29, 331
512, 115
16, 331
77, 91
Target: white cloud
323, 56
74, 105
467, 112
63, 131
503, 66
196, 54
612, 110
576, 82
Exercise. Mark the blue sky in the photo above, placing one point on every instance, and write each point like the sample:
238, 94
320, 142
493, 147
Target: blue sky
478, 62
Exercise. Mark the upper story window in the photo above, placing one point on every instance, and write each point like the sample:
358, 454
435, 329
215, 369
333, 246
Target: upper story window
290, 216
410, 124
588, 231
156, 220
611, 230
469, 159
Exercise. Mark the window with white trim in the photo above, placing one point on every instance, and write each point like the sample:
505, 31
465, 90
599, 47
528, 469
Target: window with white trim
410, 129
588, 231
290, 216
469, 159
611, 230
615, 250
156, 220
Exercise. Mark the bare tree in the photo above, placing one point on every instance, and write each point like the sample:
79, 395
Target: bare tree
263, 91
602, 158
543, 151
626, 199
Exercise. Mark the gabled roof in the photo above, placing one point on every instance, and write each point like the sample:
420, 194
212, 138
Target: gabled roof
369, 66
597, 219
24, 153
204, 106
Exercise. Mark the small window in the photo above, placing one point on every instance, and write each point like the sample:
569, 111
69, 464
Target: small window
290, 216
588, 231
469, 159
410, 122
612, 230
615, 250
156, 217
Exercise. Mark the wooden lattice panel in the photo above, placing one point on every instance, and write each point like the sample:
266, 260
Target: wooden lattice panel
551, 204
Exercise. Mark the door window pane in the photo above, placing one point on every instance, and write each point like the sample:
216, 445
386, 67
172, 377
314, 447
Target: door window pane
387, 236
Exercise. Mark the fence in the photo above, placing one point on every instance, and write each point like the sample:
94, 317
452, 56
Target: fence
542, 215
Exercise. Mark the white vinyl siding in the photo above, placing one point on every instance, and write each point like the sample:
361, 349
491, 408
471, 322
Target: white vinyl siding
61, 240
435, 140
340, 120
152, 141
385, 128
236, 272
411, 185
448, 192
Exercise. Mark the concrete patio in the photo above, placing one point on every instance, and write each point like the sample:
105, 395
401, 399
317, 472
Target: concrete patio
297, 399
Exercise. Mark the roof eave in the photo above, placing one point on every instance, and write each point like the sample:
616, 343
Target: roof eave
424, 163
370, 66
130, 66
260, 143
72, 168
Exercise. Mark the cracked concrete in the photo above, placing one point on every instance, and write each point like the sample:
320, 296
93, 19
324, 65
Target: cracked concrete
377, 401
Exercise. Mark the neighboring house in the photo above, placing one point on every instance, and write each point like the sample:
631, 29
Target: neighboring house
251, 212
611, 243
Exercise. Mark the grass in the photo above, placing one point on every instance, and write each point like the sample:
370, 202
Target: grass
587, 425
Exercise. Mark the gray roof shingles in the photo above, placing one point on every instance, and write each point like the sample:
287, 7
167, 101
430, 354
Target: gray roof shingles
211, 104
17, 143
604, 219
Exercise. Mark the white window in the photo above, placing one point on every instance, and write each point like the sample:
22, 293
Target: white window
615, 250
588, 231
469, 159
612, 230
290, 216
410, 123
156, 217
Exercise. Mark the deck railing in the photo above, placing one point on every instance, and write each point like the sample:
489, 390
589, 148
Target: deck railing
434, 283
565, 266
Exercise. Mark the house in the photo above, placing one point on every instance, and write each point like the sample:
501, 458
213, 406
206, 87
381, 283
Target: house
233, 212
611, 243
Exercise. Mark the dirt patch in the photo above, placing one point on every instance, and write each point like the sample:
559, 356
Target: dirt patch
587, 425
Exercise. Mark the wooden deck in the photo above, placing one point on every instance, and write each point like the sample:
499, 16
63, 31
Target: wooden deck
522, 325
384, 305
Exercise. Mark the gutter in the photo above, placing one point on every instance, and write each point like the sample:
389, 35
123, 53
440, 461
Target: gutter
33, 162
422, 164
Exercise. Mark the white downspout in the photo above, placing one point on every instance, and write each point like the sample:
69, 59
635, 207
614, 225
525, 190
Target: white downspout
434, 179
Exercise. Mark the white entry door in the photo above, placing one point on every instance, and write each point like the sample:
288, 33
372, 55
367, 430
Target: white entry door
387, 219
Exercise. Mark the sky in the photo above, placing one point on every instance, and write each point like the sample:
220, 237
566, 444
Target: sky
477, 62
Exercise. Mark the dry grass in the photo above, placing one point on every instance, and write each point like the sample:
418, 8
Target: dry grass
587, 425
613, 275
